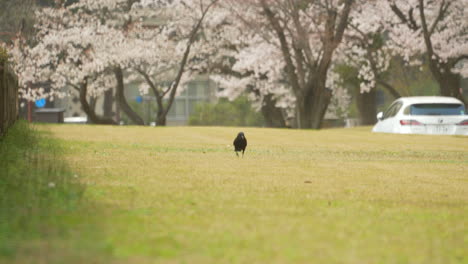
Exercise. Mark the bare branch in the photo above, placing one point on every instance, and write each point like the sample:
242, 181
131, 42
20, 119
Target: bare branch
301, 34
442, 10
342, 24
290, 68
426, 35
173, 87
408, 21
412, 21
149, 82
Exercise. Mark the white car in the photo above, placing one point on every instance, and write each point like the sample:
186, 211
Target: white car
435, 115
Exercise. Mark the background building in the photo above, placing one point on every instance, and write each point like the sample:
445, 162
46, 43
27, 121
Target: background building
199, 90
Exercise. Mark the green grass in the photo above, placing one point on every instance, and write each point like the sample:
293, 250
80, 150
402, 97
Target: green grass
180, 195
43, 216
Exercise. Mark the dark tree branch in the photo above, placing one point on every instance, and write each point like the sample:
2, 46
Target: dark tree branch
343, 23
166, 91
290, 68
336, 36
433, 63
410, 22
303, 42
93, 117
149, 82
442, 10
122, 101
399, 13
183, 63
299, 57
157, 94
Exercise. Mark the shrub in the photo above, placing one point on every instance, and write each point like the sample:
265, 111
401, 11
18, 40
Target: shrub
225, 113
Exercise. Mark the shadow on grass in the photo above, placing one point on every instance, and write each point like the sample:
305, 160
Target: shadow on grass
43, 215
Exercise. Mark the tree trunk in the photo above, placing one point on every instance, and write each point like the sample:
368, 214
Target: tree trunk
449, 82
450, 85
161, 119
273, 115
92, 103
307, 74
108, 103
93, 117
311, 109
161, 114
303, 114
319, 108
367, 106
122, 101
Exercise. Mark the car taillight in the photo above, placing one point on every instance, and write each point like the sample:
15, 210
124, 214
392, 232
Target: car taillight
463, 123
410, 123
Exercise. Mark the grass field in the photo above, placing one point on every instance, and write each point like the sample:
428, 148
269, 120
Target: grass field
180, 195
44, 217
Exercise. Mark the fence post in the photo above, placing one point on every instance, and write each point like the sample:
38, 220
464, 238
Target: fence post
3, 102
8, 97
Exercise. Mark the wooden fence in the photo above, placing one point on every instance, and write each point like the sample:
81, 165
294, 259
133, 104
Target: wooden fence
8, 97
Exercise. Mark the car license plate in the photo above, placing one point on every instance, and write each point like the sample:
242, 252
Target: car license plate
440, 129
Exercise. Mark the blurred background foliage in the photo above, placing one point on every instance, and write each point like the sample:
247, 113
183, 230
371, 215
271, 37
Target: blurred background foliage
225, 113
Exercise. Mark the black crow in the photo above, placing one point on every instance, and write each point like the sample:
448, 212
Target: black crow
240, 143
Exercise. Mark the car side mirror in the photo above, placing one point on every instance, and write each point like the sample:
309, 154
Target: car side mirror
380, 116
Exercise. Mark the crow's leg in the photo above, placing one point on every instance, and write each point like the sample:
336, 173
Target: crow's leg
243, 152
237, 154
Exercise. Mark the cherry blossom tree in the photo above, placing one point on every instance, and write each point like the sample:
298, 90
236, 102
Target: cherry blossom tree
175, 41
70, 51
94, 46
436, 30
418, 32
365, 61
282, 53
286, 48
225, 33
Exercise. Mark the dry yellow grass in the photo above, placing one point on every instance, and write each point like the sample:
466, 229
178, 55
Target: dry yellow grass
180, 195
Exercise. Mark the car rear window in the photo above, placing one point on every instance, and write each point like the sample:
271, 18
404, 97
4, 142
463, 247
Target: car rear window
436, 109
